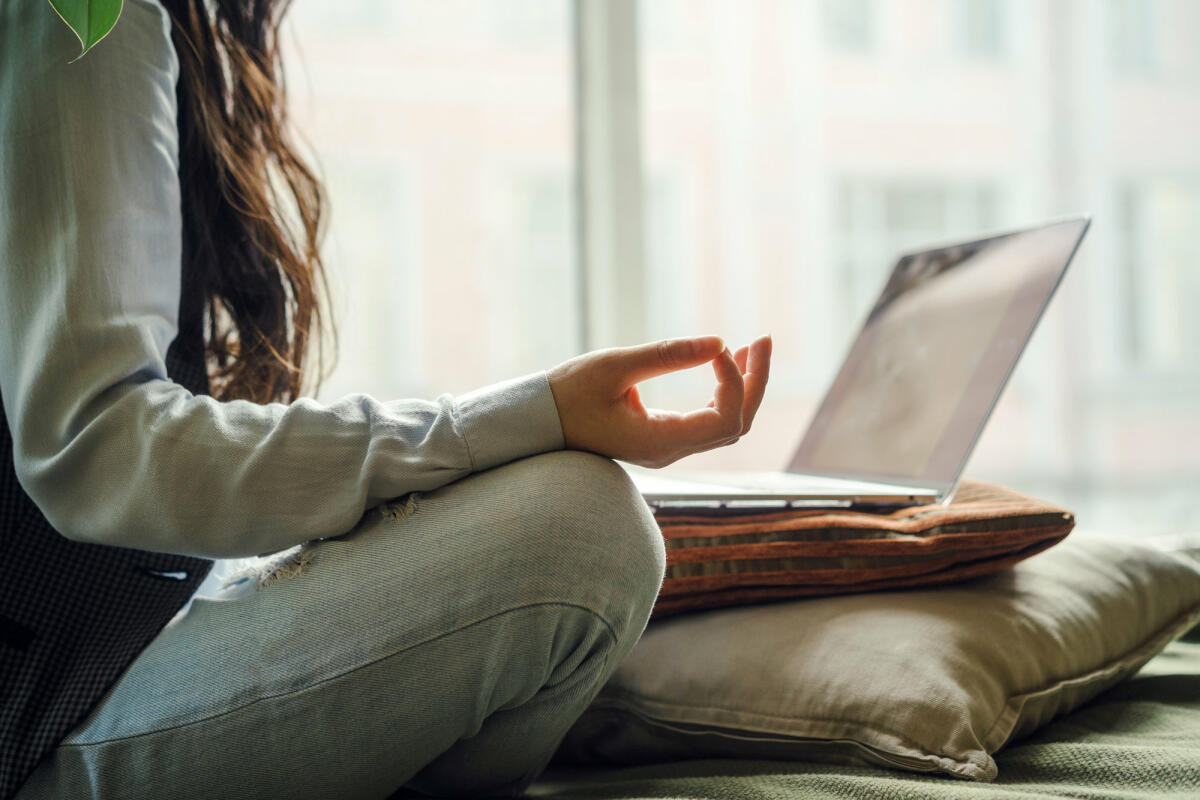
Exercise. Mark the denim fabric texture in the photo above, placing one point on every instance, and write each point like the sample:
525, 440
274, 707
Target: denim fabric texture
448, 651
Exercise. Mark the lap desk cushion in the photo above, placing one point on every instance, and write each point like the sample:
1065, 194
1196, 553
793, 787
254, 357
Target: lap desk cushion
933, 680
723, 557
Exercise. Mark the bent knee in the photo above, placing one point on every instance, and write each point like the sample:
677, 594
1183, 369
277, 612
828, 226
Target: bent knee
585, 509
594, 498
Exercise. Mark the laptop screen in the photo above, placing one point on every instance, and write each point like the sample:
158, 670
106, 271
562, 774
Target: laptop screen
927, 368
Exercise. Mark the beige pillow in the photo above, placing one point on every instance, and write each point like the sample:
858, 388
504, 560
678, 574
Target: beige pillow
929, 680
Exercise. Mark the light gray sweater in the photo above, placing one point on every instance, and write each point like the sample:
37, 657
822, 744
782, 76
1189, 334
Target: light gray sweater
109, 448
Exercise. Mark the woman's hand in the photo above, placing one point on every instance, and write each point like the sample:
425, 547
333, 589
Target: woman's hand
601, 411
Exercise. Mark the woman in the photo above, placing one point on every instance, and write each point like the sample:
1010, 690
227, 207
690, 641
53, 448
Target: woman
445, 645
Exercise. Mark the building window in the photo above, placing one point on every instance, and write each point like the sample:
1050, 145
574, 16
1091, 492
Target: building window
880, 217
525, 269
528, 22
849, 24
1158, 275
446, 130
671, 257
372, 228
982, 28
1133, 36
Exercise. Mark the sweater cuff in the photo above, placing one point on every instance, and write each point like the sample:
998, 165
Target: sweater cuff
509, 420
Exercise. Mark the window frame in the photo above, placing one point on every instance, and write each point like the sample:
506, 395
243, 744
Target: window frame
610, 236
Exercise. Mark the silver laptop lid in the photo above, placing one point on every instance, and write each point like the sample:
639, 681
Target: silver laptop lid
925, 372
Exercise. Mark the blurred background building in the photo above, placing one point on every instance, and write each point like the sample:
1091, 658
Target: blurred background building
515, 181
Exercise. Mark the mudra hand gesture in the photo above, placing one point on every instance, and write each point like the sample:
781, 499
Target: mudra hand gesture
601, 410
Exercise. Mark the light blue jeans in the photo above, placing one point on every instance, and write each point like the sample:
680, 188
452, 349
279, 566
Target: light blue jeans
447, 651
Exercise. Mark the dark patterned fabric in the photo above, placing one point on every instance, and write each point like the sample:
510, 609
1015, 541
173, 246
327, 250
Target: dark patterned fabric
73, 616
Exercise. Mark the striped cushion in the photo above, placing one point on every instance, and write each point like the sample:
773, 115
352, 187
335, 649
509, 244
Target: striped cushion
725, 557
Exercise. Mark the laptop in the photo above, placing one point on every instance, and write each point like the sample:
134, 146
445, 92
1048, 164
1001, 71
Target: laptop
912, 396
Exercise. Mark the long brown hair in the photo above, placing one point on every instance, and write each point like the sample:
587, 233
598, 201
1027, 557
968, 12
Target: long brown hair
253, 282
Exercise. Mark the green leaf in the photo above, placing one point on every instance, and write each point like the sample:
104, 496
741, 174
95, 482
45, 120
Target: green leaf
90, 20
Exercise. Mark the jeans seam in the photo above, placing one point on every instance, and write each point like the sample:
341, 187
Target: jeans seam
607, 626
458, 422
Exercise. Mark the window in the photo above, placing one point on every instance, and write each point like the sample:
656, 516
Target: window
982, 28
528, 21
770, 181
530, 317
782, 180
373, 226
671, 258
1159, 275
849, 24
446, 130
881, 217
1133, 34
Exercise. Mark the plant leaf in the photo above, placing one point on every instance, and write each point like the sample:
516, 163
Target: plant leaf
89, 20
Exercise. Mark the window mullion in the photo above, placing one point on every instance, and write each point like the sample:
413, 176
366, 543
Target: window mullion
611, 258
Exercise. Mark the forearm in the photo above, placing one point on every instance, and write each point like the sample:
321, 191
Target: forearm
156, 468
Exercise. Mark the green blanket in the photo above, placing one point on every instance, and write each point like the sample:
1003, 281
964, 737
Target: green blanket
1138, 740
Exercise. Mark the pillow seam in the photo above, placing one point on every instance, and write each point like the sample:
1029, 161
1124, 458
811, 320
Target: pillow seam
1145, 650
871, 727
937, 762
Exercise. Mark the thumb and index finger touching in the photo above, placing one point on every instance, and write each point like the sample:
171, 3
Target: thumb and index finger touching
722, 418
632, 365
644, 361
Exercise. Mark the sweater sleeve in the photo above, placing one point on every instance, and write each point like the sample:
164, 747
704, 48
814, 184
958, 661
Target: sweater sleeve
109, 448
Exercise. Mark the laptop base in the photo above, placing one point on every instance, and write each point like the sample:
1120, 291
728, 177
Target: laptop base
771, 490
